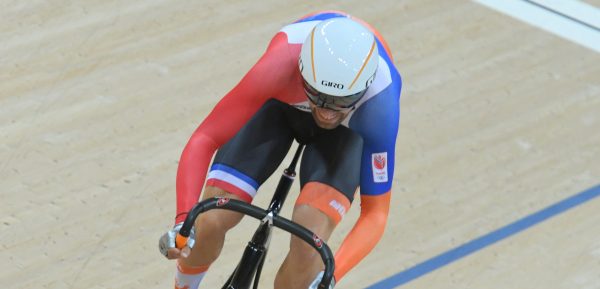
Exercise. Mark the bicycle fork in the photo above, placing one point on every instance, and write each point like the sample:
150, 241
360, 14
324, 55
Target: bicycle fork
250, 266
254, 255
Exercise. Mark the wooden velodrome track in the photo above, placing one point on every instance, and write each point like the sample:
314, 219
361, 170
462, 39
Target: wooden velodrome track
499, 119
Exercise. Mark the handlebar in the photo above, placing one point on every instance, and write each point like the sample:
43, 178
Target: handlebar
258, 213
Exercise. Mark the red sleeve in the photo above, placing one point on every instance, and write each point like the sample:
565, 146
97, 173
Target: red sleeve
365, 235
268, 76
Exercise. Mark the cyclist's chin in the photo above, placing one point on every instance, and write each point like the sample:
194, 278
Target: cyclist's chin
326, 118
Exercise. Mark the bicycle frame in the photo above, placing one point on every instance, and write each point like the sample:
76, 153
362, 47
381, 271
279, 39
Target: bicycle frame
250, 265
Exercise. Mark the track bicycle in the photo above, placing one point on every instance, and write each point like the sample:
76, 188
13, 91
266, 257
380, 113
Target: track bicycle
250, 266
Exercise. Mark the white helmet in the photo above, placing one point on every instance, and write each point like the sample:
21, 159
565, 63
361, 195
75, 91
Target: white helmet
338, 63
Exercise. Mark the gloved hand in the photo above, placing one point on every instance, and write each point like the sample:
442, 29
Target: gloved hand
315, 283
166, 243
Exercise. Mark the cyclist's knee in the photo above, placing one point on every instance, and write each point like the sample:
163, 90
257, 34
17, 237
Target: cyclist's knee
213, 192
317, 222
301, 253
217, 220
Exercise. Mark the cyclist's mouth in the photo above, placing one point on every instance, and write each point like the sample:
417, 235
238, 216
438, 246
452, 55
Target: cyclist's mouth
327, 114
327, 118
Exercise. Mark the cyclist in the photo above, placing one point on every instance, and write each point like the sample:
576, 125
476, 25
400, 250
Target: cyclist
328, 81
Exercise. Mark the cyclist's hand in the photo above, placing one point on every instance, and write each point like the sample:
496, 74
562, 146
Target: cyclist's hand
166, 243
315, 283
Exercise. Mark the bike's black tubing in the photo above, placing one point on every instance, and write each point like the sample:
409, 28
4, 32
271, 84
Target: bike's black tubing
248, 266
258, 213
285, 183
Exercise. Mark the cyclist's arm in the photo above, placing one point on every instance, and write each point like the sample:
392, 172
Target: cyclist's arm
377, 122
226, 119
365, 235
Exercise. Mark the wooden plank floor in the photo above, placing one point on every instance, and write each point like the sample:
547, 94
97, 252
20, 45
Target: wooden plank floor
97, 99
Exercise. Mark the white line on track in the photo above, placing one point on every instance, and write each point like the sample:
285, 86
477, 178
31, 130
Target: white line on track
554, 22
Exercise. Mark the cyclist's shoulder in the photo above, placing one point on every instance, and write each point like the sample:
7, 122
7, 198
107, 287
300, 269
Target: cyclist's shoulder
377, 119
381, 102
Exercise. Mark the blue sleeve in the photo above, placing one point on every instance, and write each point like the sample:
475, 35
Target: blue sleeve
377, 121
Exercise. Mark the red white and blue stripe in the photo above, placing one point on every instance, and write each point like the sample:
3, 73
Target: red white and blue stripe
233, 181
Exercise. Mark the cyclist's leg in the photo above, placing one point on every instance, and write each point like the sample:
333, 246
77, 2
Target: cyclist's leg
210, 235
239, 168
210, 230
302, 262
330, 175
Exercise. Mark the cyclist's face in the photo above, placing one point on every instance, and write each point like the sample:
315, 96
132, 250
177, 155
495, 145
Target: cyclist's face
327, 118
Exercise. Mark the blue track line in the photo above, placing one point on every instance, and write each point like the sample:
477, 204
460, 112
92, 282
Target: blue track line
486, 240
